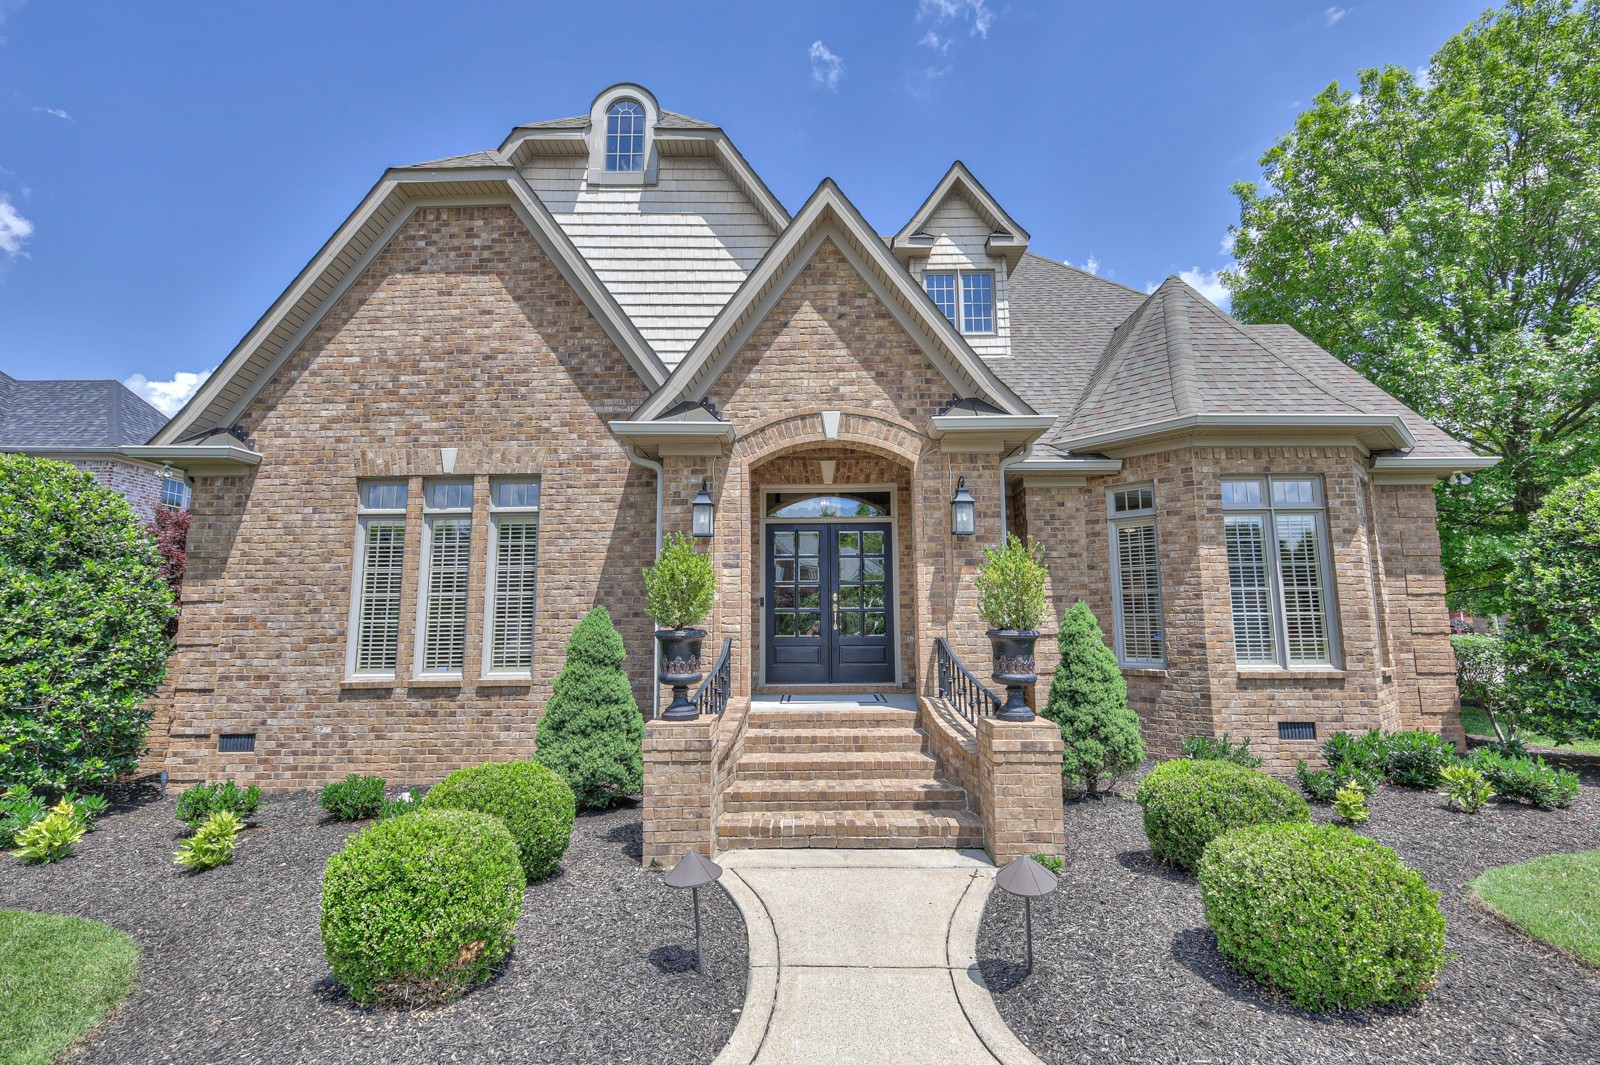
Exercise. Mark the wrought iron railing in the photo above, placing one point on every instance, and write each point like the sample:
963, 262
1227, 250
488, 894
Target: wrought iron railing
712, 695
962, 690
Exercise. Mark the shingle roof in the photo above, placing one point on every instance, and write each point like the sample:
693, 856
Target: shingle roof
45, 414
669, 120
1174, 354
488, 158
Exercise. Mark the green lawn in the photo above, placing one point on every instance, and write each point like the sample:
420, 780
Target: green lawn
1476, 722
59, 976
1555, 898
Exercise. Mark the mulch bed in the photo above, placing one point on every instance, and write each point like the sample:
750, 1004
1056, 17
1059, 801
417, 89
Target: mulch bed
1126, 968
233, 968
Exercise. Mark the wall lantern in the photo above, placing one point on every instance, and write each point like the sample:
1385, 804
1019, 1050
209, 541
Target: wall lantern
963, 510
704, 510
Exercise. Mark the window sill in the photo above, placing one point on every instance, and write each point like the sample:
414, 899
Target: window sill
503, 682
1309, 673
369, 682
1143, 671
436, 682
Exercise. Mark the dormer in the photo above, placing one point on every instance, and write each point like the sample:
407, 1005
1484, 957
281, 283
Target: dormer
961, 246
622, 137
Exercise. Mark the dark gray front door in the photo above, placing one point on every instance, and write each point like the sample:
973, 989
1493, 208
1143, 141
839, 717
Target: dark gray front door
830, 603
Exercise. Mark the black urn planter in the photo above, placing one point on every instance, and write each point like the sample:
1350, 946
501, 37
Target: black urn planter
680, 667
1013, 667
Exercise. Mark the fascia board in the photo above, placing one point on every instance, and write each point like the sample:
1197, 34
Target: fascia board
1390, 429
203, 459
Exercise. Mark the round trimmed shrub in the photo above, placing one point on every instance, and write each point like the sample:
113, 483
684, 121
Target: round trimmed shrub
1331, 918
1189, 803
536, 805
417, 909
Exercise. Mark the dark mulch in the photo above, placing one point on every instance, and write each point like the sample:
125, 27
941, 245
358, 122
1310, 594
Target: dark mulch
233, 968
1127, 970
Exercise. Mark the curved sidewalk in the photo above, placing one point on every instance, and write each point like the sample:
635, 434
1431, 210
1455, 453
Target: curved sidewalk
862, 957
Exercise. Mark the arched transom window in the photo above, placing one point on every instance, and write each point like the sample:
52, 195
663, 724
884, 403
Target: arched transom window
624, 137
823, 505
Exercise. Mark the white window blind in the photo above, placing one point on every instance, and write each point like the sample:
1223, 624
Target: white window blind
1136, 577
1282, 609
513, 579
379, 577
442, 639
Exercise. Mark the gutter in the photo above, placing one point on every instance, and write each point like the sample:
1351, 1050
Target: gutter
638, 459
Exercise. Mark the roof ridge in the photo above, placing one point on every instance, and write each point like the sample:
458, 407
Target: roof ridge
1120, 336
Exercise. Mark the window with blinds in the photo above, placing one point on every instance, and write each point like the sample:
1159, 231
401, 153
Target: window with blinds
1136, 577
446, 576
379, 577
1278, 571
513, 577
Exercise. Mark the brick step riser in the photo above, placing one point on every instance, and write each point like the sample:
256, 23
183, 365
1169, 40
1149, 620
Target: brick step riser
865, 794
777, 720
809, 806
923, 773
842, 743
965, 840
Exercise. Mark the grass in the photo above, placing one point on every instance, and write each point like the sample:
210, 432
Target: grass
1476, 722
1555, 899
59, 977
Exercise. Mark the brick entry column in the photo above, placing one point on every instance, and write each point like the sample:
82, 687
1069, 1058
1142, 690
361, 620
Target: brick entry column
678, 772
1019, 777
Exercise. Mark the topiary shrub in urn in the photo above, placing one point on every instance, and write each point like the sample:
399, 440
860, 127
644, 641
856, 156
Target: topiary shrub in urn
1011, 599
679, 590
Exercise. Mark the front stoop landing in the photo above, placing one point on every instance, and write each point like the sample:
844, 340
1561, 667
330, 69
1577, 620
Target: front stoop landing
841, 775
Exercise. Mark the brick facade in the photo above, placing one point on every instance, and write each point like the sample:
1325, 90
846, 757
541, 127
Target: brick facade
137, 482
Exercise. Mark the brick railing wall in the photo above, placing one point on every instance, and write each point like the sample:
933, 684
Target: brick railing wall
687, 767
1019, 792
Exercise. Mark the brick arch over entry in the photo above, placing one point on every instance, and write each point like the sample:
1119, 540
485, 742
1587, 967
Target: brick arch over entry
868, 430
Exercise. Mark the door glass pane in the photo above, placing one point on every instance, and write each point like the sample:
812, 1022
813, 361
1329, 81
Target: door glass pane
783, 597
784, 569
849, 543
811, 595
782, 623
810, 572
849, 596
875, 623
873, 543
872, 595
849, 569
783, 543
874, 569
809, 624
849, 623
810, 542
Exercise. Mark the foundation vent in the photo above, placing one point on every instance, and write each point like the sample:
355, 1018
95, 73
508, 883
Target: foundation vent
236, 742
1297, 730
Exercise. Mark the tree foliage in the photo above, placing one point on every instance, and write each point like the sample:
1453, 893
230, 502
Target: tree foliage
592, 733
84, 616
1089, 700
1436, 231
1553, 647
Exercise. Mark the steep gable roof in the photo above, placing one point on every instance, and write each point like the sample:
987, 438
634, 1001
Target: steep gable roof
73, 414
829, 215
1006, 236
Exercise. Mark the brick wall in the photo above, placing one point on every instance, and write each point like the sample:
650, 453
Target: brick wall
461, 334
139, 484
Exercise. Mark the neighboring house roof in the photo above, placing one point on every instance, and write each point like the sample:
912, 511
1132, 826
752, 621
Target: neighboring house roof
73, 414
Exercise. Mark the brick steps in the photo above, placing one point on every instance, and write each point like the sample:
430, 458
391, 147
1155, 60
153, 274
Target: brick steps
851, 828
804, 767
820, 718
782, 796
818, 740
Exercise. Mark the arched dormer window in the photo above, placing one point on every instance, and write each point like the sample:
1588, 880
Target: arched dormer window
625, 123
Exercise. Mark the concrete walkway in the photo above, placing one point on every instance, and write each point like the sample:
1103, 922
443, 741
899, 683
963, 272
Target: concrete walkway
865, 957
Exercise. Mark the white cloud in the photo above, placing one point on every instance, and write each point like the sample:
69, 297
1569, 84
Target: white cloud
1334, 14
1424, 75
826, 68
1091, 266
1207, 283
975, 13
7, 7
56, 111
14, 229
934, 41
168, 396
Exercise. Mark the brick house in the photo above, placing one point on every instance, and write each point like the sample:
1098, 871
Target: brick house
97, 426
475, 412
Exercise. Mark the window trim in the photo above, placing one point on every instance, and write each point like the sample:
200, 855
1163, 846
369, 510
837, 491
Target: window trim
430, 516
365, 516
1115, 520
1269, 511
961, 299
491, 578
639, 158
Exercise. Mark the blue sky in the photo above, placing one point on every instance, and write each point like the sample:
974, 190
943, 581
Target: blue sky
166, 169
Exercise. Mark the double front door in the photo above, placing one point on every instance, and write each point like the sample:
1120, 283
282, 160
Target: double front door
830, 603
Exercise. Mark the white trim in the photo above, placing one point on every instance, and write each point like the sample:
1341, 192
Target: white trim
1373, 430
1009, 240
430, 516
1426, 469
491, 572
1114, 522
364, 520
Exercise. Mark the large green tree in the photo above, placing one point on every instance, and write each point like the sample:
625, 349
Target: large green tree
1438, 231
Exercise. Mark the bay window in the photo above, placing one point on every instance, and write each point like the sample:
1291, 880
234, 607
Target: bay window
1279, 580
1136, 577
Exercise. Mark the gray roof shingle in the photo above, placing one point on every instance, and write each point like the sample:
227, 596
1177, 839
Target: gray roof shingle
46, 414
669, 120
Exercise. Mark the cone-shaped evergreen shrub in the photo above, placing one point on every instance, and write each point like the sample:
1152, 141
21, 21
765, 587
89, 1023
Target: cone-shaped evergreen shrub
1089, 700
592, 733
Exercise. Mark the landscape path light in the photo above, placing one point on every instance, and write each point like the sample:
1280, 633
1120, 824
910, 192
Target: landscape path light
694, 871
1029, 879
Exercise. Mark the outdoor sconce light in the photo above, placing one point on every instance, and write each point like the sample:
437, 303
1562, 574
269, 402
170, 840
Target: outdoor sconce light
704, 511
963, 510
694, 871
1029, 879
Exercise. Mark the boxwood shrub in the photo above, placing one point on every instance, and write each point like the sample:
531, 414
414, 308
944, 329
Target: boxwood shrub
1415, 759
1523, 779
1188, 803
418, 908
536, 805
1333, 919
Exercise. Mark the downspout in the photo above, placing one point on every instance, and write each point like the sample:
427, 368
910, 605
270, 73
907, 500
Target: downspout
1021, 454
661, 475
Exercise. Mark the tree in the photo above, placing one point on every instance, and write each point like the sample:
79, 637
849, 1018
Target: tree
592, 732
1089, 700
1436, 232
171, 532
84, 616
1553, 647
